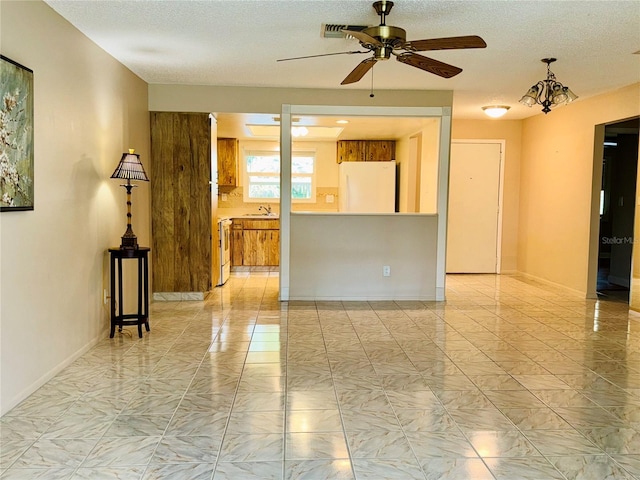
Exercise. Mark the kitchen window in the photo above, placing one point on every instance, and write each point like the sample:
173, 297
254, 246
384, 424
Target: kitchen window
262, 174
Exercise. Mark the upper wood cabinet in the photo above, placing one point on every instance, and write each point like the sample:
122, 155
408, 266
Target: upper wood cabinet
366, 150
228, 162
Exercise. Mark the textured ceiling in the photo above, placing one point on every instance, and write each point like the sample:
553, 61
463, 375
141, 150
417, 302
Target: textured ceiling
238, 42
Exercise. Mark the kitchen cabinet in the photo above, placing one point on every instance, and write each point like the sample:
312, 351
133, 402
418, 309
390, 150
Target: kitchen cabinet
255, 242
227, 162
236, 243
366, 150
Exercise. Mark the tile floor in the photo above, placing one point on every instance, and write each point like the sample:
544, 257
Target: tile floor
508, 380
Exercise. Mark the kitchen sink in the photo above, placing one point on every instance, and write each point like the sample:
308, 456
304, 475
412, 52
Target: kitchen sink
261, 215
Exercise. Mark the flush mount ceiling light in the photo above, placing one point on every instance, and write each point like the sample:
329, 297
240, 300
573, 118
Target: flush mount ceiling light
549, 92
495, 111
299, 131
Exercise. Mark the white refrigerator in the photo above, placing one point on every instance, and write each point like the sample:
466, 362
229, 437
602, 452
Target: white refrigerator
367, 187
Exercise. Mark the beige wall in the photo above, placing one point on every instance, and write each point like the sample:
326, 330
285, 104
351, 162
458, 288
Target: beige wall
556, 185
429, 166
511, 132
88, 110
216, 99
341, 256
426, 189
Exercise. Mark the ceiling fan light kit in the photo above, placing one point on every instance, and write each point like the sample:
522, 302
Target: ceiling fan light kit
549, 92
384, 40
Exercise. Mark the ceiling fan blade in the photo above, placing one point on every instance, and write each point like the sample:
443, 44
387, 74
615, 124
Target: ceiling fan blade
364, 38
448, 43
321, 55
429, 65
361, 69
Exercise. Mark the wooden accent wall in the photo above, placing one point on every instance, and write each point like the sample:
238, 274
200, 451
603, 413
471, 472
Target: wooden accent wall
181, 202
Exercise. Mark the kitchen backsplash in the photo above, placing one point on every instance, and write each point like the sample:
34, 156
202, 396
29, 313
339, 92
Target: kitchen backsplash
230, 202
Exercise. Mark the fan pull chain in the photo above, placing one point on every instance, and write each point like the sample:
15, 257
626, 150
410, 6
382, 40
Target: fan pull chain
371, 94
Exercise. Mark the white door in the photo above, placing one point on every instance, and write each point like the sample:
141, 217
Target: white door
474, 193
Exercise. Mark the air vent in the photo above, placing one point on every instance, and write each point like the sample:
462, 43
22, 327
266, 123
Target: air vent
333, 30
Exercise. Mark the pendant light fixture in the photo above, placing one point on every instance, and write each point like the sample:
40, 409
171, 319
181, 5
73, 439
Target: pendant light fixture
549, 92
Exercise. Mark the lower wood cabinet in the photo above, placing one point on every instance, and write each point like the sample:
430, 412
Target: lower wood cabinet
255, 242
236, 246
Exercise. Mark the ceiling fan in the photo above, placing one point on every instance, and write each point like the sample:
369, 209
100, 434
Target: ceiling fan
386, 40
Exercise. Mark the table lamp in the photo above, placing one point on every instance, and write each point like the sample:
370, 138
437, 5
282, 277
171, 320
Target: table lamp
129, 168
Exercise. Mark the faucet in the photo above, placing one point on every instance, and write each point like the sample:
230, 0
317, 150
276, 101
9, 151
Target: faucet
267, 209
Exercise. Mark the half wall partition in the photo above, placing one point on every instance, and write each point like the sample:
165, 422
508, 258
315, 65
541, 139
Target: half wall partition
340, 256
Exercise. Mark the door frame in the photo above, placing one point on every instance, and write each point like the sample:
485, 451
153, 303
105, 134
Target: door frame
594, 227
502, 144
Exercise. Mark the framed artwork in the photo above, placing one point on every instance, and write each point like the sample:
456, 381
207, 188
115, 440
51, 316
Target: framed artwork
16, 136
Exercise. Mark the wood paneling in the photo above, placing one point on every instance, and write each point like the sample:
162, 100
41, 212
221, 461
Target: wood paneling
181, 202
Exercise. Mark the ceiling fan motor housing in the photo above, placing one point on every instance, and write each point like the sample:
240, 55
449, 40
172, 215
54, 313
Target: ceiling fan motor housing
390, 37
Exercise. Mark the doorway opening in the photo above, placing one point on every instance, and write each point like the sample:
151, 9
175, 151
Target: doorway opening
617, 210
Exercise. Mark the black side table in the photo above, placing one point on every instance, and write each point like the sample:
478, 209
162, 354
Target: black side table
140, 254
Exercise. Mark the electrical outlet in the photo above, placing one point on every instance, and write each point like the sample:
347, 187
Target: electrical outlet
386, 271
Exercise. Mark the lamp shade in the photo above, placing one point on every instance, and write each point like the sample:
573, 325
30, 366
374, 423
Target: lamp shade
558, 95
531, 97
130, 167
570, 95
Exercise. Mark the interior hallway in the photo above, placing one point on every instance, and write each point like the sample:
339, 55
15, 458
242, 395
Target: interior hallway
509, 379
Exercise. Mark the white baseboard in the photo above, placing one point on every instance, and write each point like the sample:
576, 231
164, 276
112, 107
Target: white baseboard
178, 296
22, 395
544, 281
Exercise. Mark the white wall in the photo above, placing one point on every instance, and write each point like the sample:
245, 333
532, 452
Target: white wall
88, 109
340, 257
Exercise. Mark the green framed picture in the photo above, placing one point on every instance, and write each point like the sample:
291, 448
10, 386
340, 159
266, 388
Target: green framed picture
16, 136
